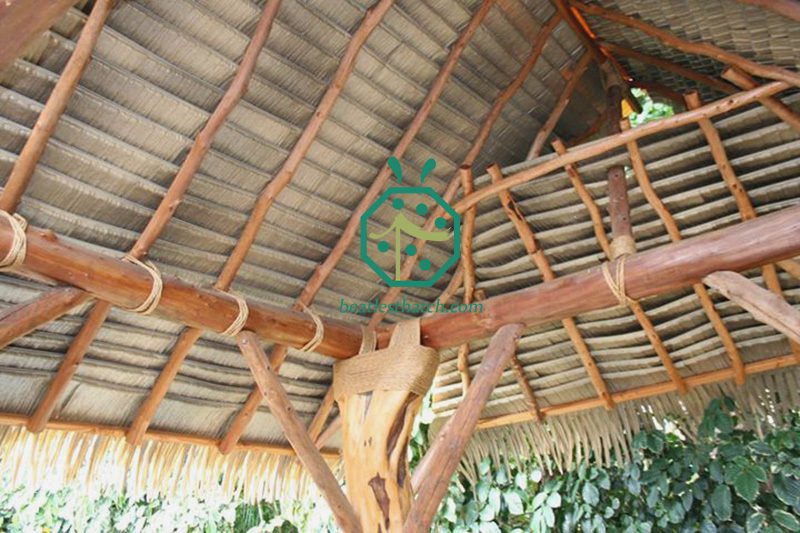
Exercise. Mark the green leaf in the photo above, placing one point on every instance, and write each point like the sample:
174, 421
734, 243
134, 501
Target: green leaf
536, 475
521, 480
721, 502
676, 512
746, 485
482, 491
786, 520
514, 503
590, 494
494, 499
549, 517
487, 514
554, 500
755, 522
787, 490
489, 527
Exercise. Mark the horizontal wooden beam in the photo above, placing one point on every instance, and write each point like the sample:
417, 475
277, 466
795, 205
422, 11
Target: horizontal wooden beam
739, 247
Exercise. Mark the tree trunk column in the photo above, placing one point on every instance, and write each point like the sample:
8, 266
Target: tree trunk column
379, 393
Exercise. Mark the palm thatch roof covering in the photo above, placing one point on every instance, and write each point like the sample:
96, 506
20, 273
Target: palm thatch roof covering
159, 70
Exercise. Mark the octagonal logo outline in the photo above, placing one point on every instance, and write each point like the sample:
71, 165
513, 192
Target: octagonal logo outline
454, 257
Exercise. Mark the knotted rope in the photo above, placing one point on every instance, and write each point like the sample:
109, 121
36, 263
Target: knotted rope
319, 333
616, 283
241, 319
151, 302
19, 242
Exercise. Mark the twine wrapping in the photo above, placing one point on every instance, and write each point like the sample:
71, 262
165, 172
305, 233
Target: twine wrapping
622, 246
405, 365
241, 319
319, 333
19, 242
616, 283
151, 302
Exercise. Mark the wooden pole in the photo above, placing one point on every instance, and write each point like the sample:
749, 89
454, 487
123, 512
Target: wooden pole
19, 320
781, 110
21, 21
642, 177
768, 239
606, 144
164, 212
539, 259
787, 8
791, 266
764, 305
738, 191
469, 270
703, 49
558, 109
318, 422
449, 445
324, 269
45, 125
282, 409
669, 66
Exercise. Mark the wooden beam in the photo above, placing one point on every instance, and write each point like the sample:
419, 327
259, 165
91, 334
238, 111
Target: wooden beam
324, 269
781, 110
702, 48
558, 109
163, 214
281, 408
539, 259
646, 186
328, 433
787, 8
23, 20
448, 446
23, 318
318, 422
768, 239
792, 266
680, 70
468, 262
738, 191
525, 387
604, 145
580, 30
477, 145
764, 305
647, 391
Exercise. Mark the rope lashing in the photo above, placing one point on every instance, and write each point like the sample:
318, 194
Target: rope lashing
621, 246
241, 319
19, 242
616, 283
319, 333
151, 302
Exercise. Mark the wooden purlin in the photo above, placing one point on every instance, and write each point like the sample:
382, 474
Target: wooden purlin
649, 192
323, 270
743, 201
266, 198
163, 214
641, 316
537, 255
781, 110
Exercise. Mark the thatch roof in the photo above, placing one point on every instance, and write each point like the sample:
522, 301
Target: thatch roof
160, 68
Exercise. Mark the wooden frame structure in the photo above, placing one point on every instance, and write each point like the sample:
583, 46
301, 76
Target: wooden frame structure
755, 242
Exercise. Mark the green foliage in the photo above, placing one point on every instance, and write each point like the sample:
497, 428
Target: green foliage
650, 110
724, 480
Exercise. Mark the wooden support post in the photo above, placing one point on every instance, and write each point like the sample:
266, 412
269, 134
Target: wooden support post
739, 193
781, 110
539, 259
669, 66
703, 49
601, 147
642, 177
62, 92
638, 311
469, 269
768, 239
23, 318
764, 305
560, 106
449, 445
282, 409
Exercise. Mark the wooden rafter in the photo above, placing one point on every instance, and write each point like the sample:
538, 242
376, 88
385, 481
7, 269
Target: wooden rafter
579, 153
768, 239
646, 186
281, 408
781, 110
21, 319
324, 269
669, 66
560, 106
539, 259
59, 98
702, 48
641, 316
737, 190
266, 198
163, 214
